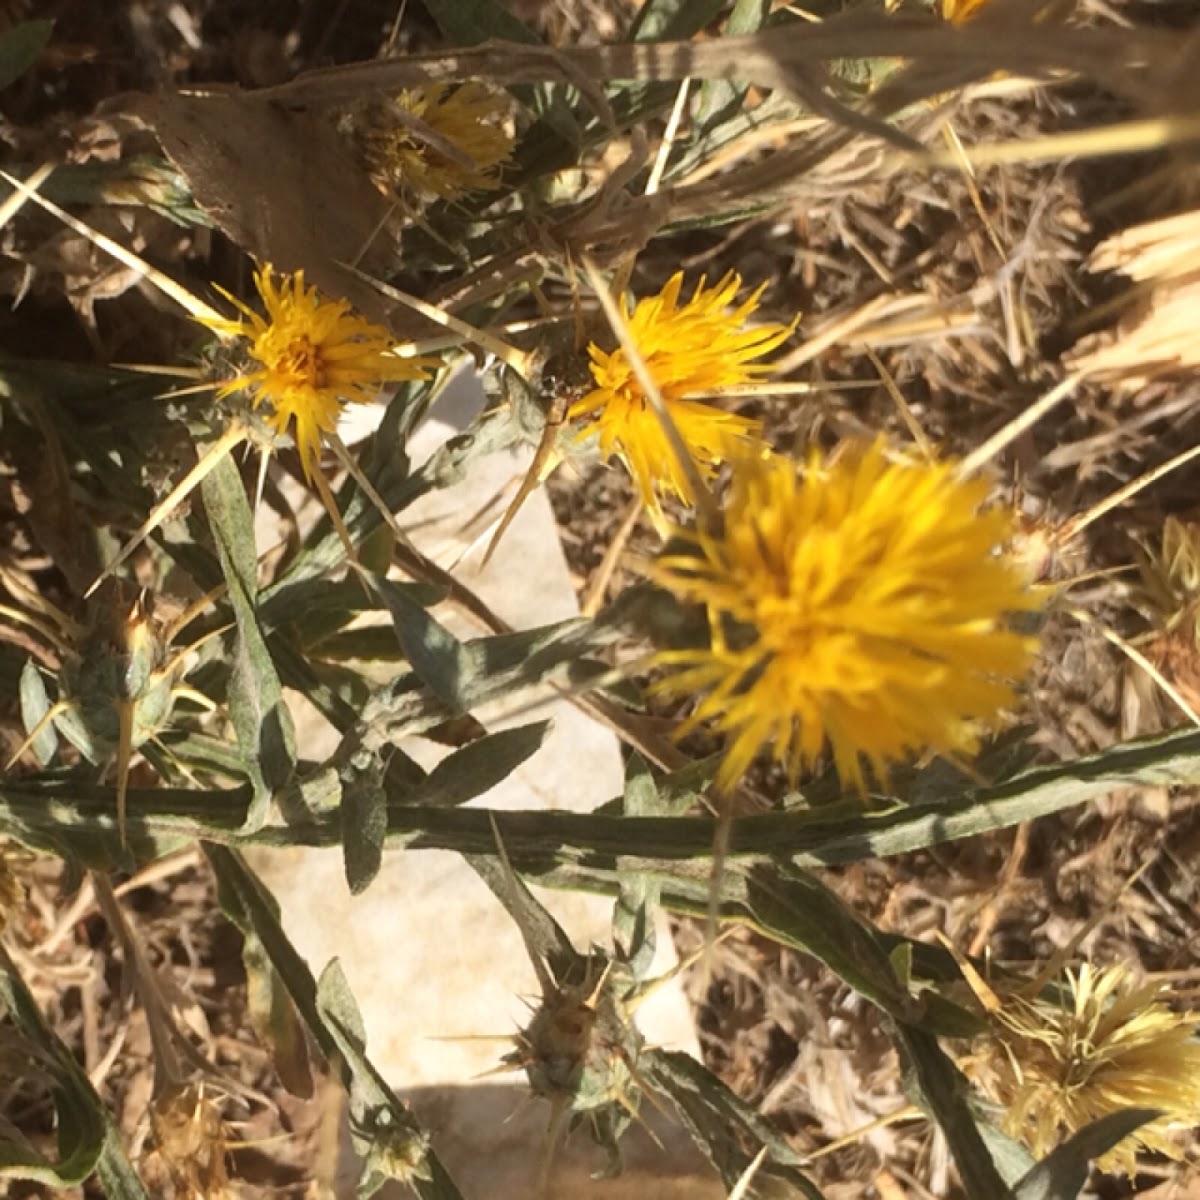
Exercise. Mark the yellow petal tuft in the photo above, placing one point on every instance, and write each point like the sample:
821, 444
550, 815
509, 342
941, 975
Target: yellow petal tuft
861, 602
696, 348
313, 356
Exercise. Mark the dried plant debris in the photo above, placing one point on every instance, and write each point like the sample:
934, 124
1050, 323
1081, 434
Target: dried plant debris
1153, 336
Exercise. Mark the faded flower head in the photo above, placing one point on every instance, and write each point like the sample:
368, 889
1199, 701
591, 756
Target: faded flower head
190, 1141
696, 348
470, 117
860, 601
14, 860
958, 12
1105, 1046
313, 356
1169, 594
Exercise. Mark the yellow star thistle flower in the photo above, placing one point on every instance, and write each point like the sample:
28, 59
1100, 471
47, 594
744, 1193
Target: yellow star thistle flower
1108, 1046
860, 601
696, 348
314, 355
470, 117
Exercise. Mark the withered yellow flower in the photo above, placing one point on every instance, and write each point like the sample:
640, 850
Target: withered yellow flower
190, 1143
471, 117
858, 601
695, 348
1109, 1045
13, 862
958, 12
313, 356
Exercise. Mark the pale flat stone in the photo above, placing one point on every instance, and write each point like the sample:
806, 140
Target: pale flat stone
432, 957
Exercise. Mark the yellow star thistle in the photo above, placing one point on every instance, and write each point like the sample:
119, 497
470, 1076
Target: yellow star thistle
860, 601
692, 349
470, 117
1108, 1046
314, 355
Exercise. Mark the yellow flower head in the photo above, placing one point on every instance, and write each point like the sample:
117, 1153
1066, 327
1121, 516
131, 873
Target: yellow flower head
471, 117
1108, 1046
692, 349
861, 601
313, 356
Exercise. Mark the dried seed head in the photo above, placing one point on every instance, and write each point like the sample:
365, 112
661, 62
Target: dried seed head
396, 1152
13, 861
189, 1138
1170, 580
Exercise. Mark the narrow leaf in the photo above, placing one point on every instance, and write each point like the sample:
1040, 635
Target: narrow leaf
721, 99
721, 1123
787, 902
637, 900
364, 827
35, 704
477, 767
337, 1004
260, 717
443, 663
86, 1134
545, 939
1061, 1175
1011, 1159
274, 1019
19, 48
674, 20
468, 22
116, 1173
941, 1089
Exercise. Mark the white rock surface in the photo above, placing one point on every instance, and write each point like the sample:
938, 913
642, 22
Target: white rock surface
430, 954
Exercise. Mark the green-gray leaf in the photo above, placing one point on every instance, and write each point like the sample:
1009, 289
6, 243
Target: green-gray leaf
637, 900
364, 828
941, 1089
721, 1123
443, 663
87, 1138
384, 1130
673, 20
479, 766
35, 704
260, 717
786, 901
19, 48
